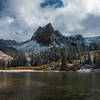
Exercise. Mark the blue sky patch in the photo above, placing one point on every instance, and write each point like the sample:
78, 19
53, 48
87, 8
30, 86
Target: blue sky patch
2, 4
52, 3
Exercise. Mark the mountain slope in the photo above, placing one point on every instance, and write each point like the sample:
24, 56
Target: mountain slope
31, 47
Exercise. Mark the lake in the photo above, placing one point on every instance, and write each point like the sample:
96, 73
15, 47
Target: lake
50, 86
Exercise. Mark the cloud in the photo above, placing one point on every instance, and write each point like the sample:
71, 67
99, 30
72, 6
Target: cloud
19, 19
91, 25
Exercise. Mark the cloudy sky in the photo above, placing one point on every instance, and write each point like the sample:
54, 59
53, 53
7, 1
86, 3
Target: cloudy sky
19, 19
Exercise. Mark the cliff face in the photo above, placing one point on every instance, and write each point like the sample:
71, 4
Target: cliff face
4, 59
46, 36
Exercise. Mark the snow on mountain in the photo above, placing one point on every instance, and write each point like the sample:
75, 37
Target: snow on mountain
92, 40
33, 46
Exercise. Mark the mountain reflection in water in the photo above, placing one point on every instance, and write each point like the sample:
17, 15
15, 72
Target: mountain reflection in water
49, 86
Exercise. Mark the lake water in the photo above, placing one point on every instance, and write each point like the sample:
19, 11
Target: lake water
49, 86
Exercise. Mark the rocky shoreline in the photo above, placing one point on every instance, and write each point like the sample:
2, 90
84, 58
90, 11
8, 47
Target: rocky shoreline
16, 71
83, 70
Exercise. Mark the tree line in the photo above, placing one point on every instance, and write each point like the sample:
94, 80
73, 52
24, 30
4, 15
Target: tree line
65, 53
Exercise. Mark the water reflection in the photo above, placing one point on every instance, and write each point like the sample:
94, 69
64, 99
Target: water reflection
49, 86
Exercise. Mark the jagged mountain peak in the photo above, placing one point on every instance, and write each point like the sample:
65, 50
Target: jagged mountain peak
49, 26
42, 30
46, 35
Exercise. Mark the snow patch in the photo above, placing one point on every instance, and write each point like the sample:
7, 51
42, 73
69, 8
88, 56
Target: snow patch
92, 40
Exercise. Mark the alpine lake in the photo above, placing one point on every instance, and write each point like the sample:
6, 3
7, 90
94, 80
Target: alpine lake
50, 86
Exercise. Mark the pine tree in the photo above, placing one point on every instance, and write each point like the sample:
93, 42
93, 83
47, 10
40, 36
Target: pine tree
89, 59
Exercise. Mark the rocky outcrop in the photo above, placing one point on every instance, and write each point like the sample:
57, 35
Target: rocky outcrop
5, 57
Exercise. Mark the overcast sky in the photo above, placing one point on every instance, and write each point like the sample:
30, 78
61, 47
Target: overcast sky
19, 19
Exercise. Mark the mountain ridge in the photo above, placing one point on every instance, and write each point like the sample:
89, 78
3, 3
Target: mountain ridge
47, 37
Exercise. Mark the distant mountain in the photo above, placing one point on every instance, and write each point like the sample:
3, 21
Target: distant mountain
48, 36
8, 42
90, 40
45, 38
